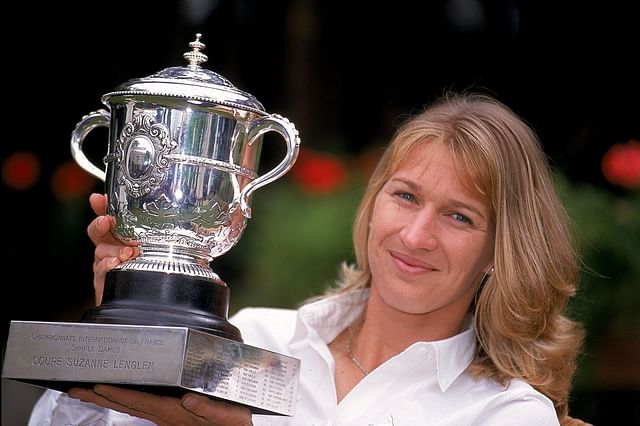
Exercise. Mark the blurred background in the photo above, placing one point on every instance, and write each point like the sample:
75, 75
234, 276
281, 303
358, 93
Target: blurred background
346, 73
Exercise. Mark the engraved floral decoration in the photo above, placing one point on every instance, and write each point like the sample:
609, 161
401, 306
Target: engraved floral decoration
141, 150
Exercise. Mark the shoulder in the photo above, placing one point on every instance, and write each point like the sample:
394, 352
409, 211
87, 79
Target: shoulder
265, 317
519, 403
268, 328
259, 310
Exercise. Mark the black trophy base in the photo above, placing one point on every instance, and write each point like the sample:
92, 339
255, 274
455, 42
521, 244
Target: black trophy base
164, 299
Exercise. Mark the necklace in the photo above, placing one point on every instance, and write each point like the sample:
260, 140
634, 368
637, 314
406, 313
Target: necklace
363, 370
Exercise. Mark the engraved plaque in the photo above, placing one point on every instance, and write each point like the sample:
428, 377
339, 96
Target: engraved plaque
170, 360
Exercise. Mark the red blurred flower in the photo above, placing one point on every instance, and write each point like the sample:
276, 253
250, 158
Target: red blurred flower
621, 164
69, 181
20, 170
319, 172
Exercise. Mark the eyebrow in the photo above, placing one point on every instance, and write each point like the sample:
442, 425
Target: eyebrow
463, 205
452, 201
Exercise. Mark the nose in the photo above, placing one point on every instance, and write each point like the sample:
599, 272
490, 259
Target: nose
420, 231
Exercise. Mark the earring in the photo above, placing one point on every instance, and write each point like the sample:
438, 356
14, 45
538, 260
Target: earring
485, 277
491, 271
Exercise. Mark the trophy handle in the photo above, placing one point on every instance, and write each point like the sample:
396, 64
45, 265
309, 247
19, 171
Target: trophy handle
272, 123
99, 118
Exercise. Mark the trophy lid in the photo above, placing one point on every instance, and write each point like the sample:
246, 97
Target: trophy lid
190, 82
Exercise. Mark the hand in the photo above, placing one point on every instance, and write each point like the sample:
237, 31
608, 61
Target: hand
191, 409
110, 251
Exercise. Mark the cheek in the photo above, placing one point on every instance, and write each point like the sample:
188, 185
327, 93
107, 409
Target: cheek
385, 218
379, 234
472, 256
485, 251
381, 228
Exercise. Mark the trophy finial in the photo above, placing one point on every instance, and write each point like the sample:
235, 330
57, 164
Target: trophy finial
195, 56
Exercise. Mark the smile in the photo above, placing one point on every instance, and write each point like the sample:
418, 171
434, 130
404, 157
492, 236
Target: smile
410, 264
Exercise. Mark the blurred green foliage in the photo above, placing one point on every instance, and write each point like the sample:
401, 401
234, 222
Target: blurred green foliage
607, 228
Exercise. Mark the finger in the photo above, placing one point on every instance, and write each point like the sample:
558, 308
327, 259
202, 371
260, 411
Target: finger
105, 250
88, 395
107, 257
163, 410
104, 265
100, 269
99, 230
98, 203
218, 412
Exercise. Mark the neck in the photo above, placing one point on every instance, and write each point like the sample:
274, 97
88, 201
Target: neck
390, 331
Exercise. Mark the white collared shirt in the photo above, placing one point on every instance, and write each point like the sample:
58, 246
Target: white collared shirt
426, 384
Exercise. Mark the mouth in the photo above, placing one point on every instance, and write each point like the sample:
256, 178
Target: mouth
410, 264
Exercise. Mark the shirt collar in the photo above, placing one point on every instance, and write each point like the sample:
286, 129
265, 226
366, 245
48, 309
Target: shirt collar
454, 355
326, 318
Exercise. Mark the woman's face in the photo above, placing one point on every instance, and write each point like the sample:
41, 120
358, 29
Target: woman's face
431, 239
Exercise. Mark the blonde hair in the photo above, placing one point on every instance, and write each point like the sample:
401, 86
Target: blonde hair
521, 328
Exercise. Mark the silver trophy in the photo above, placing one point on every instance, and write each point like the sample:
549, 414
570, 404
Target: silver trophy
180, 169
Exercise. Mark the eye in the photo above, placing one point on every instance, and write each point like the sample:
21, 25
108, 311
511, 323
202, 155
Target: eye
407, 196
461, 218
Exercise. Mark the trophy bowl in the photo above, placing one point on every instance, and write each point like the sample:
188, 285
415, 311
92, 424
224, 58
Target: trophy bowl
182, 162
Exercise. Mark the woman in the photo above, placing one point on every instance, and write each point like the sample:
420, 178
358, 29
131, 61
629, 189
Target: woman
453, 313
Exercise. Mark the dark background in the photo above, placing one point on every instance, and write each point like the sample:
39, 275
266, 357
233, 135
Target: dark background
343, 72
